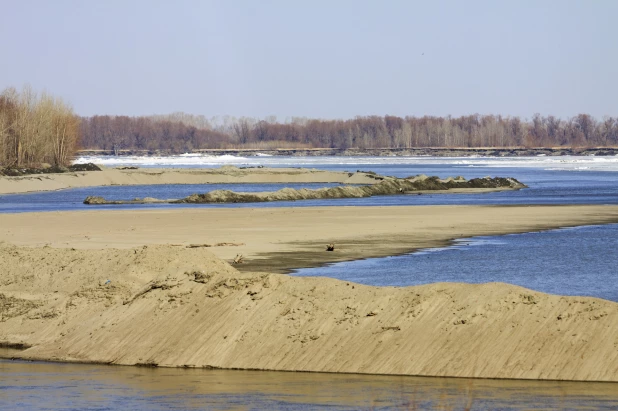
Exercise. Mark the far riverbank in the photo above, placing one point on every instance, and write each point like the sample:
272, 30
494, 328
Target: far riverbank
378, 152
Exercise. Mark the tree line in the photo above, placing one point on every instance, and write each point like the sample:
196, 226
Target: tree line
147, 133
41, 128
36, 129
180, 132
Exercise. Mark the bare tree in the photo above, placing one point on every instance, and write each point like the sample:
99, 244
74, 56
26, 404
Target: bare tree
36, 128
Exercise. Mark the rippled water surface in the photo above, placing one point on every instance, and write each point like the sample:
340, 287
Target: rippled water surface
50, 386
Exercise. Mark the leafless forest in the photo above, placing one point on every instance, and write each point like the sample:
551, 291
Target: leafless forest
182, 132
36, 129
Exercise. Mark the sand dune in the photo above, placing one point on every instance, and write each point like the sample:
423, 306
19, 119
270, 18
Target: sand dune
176, 306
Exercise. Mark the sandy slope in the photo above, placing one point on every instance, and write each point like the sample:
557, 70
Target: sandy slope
96, 293
225, 174
85, 305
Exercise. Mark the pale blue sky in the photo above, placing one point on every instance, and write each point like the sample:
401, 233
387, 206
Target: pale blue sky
327, 59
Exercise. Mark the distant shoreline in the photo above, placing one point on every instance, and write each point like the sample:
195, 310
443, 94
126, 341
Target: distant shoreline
377, 152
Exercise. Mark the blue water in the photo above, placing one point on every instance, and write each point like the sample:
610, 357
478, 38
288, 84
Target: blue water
545, 187
73, 199
573, 261
578, 261
49, 386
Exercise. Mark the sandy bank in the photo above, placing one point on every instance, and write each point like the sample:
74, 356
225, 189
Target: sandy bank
278, 239
175, 306
225, 174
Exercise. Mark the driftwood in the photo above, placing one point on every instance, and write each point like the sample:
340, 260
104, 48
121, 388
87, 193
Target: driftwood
153, 285
215, 245
395, 328
200, 277
330, 247
238, 259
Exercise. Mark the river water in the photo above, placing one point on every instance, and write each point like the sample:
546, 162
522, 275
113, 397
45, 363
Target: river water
569, 180
50, 386
570, 261
573, 261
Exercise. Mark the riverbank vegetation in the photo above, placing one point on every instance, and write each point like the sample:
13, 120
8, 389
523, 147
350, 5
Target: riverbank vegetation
36, 128
182, 132
39, 128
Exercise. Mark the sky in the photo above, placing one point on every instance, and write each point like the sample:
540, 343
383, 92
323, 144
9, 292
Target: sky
314, 58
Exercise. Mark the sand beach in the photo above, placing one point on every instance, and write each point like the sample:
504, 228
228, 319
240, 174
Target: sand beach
157, 287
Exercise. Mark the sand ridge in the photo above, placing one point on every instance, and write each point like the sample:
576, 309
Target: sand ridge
127, 287
90, 305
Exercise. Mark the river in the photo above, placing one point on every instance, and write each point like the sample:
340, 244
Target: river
574, 261
53, 386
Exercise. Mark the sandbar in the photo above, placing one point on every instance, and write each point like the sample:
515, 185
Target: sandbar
132, 288
280, 239
146, 176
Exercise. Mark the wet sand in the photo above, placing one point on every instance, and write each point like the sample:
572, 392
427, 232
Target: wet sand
281, 239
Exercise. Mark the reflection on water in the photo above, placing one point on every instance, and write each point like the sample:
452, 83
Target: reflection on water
32, 385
